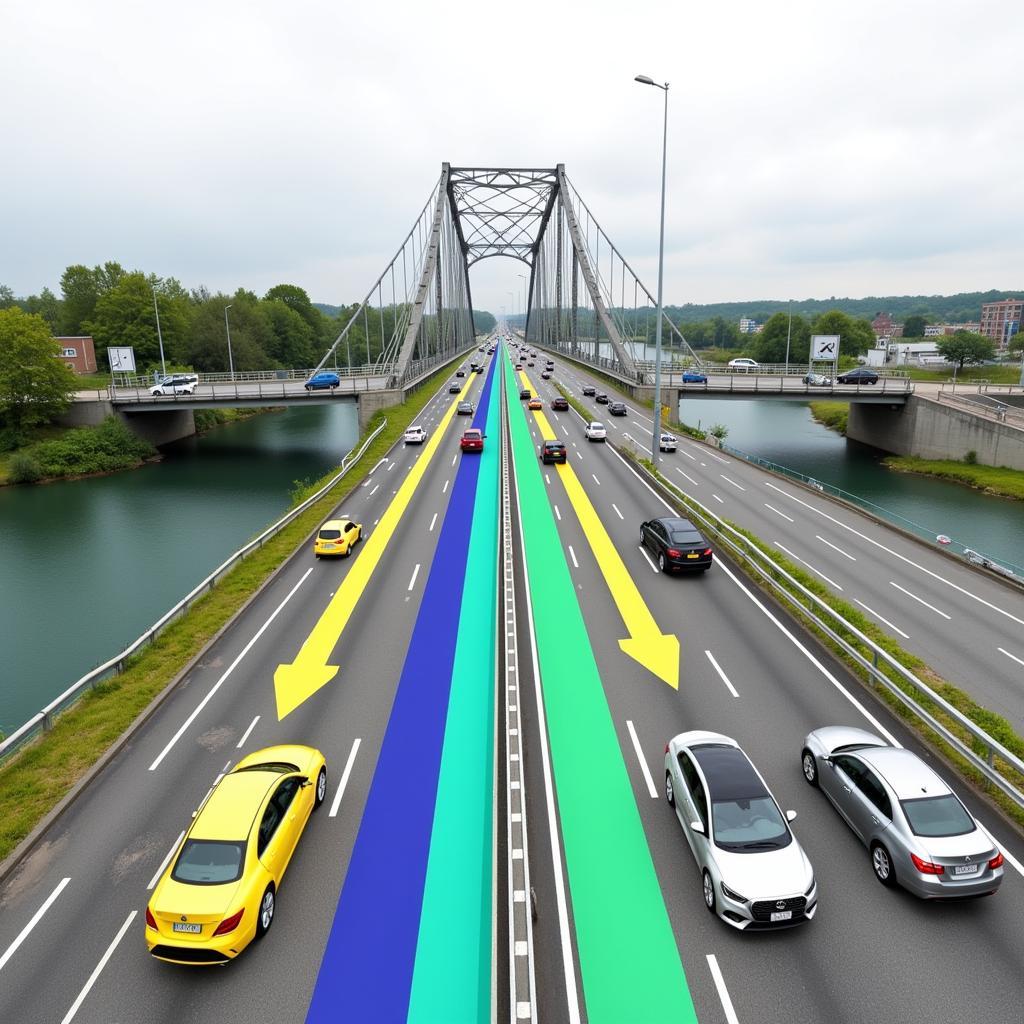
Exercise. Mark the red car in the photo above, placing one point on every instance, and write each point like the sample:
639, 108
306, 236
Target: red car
472, 441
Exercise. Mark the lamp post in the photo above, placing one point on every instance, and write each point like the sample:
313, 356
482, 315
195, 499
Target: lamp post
159, 336
525, 281
789, 333
656, 434
227, 327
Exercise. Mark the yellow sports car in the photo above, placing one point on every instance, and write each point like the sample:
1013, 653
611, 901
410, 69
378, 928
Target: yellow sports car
337, 537
220, 889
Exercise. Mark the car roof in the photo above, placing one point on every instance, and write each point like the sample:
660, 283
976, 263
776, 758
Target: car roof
554, 444
676, 523
335, 524
232, 806
905, 772
473, 430
728, 771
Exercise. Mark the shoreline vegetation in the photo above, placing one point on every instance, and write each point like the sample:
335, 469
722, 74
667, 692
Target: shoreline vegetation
999, 481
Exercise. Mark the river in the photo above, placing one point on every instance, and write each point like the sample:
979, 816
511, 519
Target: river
87, 565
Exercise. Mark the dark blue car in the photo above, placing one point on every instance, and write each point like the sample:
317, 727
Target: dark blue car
321, 381
693, 377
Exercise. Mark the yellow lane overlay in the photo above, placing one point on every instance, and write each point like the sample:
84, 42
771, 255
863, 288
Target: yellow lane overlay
297, 682
658, 652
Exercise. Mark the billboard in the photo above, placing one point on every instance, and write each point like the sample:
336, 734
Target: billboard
122, 360
825, 346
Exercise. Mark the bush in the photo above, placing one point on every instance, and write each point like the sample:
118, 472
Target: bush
971, 458
101, 449
10, 439
24, 469
720, 431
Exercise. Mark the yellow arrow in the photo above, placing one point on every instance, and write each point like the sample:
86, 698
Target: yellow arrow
658, 652
295, 683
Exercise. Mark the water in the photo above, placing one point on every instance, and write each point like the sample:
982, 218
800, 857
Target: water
787, 434
87, 565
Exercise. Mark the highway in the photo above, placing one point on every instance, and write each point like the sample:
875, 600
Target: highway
387, 911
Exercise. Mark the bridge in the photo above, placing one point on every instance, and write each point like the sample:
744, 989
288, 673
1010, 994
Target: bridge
493, 677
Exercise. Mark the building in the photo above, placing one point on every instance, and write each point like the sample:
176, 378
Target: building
884, 326
974, 328
1001, 320
748, 326
78, 353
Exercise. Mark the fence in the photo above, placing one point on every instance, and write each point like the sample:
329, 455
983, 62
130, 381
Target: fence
43, 721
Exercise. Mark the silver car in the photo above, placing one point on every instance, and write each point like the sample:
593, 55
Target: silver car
595, 431
919, 833
754, 874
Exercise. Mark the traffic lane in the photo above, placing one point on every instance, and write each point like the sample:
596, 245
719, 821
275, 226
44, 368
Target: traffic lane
905, 602
755, 720
94, 822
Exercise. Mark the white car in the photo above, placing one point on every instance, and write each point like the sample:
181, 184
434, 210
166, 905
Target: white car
667, 443
175, 384
744, 364
595, 431
415, 435
754, 873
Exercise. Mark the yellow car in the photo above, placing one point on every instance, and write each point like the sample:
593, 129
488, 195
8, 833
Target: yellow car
337, 537
220, 889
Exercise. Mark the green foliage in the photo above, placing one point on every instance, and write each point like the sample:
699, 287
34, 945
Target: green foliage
716, 332
833, 415
1001, 480
913, 326
292, 340
855, 336
101, 449
770, 345
35, 385
971, 458
483, 322
6, 296
966, 347
24, 469
719, 430
251, 335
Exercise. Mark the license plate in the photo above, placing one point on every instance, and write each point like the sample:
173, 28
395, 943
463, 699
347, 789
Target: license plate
965, 869
692, 554
192, 929
782, 915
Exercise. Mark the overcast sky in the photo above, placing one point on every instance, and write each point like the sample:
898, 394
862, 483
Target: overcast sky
815, 149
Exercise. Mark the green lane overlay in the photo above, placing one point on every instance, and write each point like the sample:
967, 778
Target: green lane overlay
629, 960
452, 974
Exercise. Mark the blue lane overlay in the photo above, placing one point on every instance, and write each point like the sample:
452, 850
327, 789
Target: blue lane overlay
367, 967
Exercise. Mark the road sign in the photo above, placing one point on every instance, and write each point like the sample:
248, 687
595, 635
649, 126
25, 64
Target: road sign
824, 346
122, 360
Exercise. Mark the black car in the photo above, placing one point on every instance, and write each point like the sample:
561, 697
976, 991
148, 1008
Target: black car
460, 373
552, 451
617, 408
531, 363
464, 409
861, 375
545, 375
525, 393
677, 543
454, 388
601, 399
560, 404
589, 389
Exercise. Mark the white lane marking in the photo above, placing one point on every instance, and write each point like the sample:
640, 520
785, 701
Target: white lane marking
834, 547
723, 992
818, 572
640, 757
572, 555
717, 458
896, 554
69, 1016
596, 481
578, 456
920, 600
641, 425
692, 458
721, 674
245, 735
166, 860
557, 513
376, 488
415, 573
1002, 650
718, 499
444, 490
454, 458
738, 487
565, 429
643, 552
871, 611
771, 508
375, 468
432, 521
617, 512
33, 921
336, 802
633, 440
391, 466
547, 478
687, 476
231, 668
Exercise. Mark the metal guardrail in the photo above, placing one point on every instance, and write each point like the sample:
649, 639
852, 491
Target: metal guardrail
142, 380
43, 721
238, 390
794, 593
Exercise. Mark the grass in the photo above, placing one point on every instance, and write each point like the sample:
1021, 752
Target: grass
995, 725
36, 778
1008, 483
833, 415
1004, 373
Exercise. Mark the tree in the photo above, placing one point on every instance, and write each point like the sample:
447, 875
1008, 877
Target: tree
251, 335
47, 305
6, 296
296, 298
770, 345
483, 322
966, 347
78, 286
913, 326
292, 341
124, 315
1015, 345
855, 336
35, 386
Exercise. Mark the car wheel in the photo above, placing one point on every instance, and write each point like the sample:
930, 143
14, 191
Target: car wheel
661, 561
318, 558
709, 892
881, 863
669, 794
810, 767
321, 788
265, 917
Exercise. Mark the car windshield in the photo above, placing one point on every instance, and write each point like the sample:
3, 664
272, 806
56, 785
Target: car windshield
937, 816
329, 534
686, 537
596, 426
473, 435
749, 824
209, 862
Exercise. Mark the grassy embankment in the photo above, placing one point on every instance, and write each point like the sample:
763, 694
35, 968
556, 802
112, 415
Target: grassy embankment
34, 780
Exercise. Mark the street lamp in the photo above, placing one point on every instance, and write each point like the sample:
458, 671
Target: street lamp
789, 333
656, 436
159, 336
526, 285
227, 327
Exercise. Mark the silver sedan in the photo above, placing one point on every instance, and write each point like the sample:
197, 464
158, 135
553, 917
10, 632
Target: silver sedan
754, 874
919, 833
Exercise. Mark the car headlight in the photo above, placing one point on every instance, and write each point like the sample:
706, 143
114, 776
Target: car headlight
729, 894
810, 888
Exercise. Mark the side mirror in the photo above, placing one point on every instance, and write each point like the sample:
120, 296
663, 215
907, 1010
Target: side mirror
790, 815
696, 826
828, 761
305, 781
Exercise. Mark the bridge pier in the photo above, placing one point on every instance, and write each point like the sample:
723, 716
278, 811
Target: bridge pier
370, 402
155, 427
